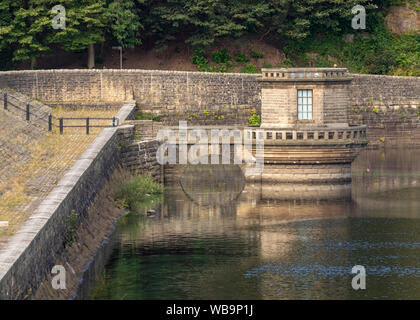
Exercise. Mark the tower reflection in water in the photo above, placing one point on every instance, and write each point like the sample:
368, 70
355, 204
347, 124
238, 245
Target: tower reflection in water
217, 237
258, 220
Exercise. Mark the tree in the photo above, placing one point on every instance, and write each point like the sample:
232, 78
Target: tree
201, 22
309, 16
85, 26
124, 23
6, 18
27, 29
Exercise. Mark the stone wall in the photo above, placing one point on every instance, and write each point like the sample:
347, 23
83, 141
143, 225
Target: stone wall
389, 106
310, 173
33, 250
140, 157
336, 99
172, 93
190, 95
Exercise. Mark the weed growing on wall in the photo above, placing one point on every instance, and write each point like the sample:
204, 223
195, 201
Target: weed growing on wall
72, 224
254, 119
140, 115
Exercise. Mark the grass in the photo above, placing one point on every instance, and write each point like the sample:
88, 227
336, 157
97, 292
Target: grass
140, 115
50, 156
134, 190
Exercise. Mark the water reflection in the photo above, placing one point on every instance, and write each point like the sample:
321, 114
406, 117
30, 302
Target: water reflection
218, 238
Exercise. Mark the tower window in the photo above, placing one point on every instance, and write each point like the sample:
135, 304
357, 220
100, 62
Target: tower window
304, 104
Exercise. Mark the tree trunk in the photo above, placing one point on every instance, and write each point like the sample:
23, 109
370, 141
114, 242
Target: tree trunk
91, 56
33, 63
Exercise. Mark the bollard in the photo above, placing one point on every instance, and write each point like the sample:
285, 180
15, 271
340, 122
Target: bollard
61, 125
27, 112
50, 122
5, 101
87, 125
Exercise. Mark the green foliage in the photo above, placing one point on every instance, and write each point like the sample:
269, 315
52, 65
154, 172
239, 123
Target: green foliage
249, 68
199, 59
140, 115
131, 192
72, 224
85, 25
124, 23
241, 58
221, 56
300, 26
381, 52
267, 65
257, 55
202, 22
254, 119
25, 27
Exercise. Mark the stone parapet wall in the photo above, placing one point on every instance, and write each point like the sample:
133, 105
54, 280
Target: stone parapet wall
190, 95
161, 92
378, 90
390, 108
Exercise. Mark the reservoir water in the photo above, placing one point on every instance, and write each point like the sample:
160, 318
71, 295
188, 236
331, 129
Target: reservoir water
216, 237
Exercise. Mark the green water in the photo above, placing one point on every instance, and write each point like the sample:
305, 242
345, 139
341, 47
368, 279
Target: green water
215, 237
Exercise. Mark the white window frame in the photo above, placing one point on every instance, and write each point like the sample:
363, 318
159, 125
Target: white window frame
305, 104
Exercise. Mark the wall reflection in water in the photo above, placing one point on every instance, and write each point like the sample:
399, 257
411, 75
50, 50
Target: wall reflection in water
216, 237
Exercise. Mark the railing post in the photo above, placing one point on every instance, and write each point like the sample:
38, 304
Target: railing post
27, 112
50, 122
5, 101
61, 125
87, 125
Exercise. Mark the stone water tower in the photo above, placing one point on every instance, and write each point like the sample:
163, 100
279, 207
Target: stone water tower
307, 138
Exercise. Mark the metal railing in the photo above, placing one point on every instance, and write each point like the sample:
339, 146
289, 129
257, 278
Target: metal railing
34, 111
